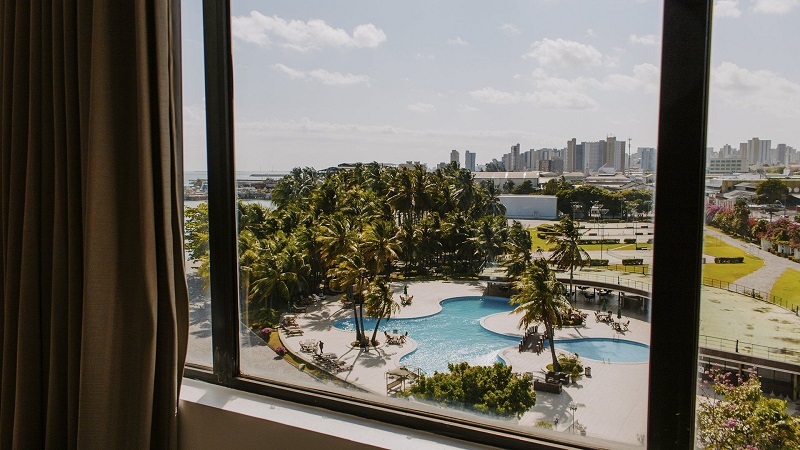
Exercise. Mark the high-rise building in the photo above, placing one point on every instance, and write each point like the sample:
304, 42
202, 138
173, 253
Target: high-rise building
648, 159
469, 160
594, 156
514, 162
757, 151
783, 154
615, 154
454, 157
569, 156
726, 151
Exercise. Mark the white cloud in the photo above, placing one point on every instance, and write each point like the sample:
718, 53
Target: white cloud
564, 53
421, 107
420, 56
494, 96
645, 77
547, 99
774, 6
457, 41
760, 90
323, 76
467, 108
647, 39
727, 8
590, 32
302, 36
510, 29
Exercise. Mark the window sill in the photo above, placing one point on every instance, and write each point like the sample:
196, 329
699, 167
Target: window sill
213, 416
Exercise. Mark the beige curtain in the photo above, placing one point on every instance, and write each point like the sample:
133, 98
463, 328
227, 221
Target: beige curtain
95, 309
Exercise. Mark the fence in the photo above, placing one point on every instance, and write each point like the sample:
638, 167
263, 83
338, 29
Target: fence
747, 348
619, 281
750, 292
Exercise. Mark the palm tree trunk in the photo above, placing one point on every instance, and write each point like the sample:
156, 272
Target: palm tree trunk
550, 335
571, 284
375, 332
355, 319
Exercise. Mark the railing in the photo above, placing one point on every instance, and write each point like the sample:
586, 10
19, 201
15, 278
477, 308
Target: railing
750, 292
747, 348
639, 268
619, 281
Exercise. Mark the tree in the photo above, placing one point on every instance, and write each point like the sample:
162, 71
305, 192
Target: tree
736, 415
741, 214
352, 274
567, 252
525, 188
380, 303
379, 246
770, 191
518, 246
488, 389
541, 299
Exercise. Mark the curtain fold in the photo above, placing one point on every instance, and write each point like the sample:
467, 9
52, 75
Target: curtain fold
95, 307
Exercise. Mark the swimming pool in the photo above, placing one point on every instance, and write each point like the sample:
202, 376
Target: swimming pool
455, 334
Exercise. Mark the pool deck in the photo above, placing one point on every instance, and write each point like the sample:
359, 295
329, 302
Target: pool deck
611, 404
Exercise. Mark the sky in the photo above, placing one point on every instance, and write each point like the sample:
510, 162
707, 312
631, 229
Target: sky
318, 83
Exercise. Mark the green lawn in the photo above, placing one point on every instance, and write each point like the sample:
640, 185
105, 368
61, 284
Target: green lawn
787, 287
537, 243
727, 272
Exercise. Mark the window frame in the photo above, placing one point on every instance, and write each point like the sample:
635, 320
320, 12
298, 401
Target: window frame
683, 106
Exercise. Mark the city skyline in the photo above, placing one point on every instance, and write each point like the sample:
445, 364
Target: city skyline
356, 81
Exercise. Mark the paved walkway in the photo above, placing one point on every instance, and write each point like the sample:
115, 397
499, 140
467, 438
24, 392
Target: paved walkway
764, 278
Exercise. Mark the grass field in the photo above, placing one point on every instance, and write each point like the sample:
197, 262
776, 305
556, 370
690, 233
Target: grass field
542, 243
727, 272
788, 287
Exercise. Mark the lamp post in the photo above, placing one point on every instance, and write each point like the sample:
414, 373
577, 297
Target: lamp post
573, 407
555, 420
598, 211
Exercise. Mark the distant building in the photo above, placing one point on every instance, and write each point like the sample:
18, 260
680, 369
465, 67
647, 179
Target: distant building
550, 165
647, 157
454, 157
593, 156
757, 152
615, 154
500, 178
514, 163
469, 160
412, 164
726, 165
530, 206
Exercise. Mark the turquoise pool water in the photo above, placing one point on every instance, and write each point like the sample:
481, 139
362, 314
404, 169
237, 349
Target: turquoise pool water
455, 335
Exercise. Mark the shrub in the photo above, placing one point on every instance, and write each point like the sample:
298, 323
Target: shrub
488, 389
570, 363
598, 262
729, 260
632, 262
597, 241
265, 332
630, 240
280, 350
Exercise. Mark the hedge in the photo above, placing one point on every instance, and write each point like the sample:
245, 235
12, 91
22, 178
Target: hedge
632, 262
598, 241
723, 260
598, 262
630, 241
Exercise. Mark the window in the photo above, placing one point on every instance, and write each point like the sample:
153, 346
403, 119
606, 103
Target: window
683, 103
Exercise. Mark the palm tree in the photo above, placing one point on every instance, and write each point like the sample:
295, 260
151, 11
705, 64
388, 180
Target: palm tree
519, 246
540, 299
379, 246
352, 273
380, 304
337, 236
567, 252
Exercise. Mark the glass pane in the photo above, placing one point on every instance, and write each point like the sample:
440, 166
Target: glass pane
413, 162
195, 185
749, 324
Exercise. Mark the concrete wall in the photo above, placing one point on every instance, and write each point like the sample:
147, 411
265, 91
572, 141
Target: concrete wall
530, 206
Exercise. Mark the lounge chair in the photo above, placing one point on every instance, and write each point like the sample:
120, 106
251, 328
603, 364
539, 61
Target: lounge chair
625, 325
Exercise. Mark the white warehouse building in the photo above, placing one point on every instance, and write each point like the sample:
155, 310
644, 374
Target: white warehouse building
530, 206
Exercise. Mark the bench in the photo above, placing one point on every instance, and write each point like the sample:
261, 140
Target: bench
544, 386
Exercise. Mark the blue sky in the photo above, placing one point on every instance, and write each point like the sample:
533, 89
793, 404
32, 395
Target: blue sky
319, 83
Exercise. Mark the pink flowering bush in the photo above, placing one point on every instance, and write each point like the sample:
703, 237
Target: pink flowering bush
265, 332
734, 414
280, 350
